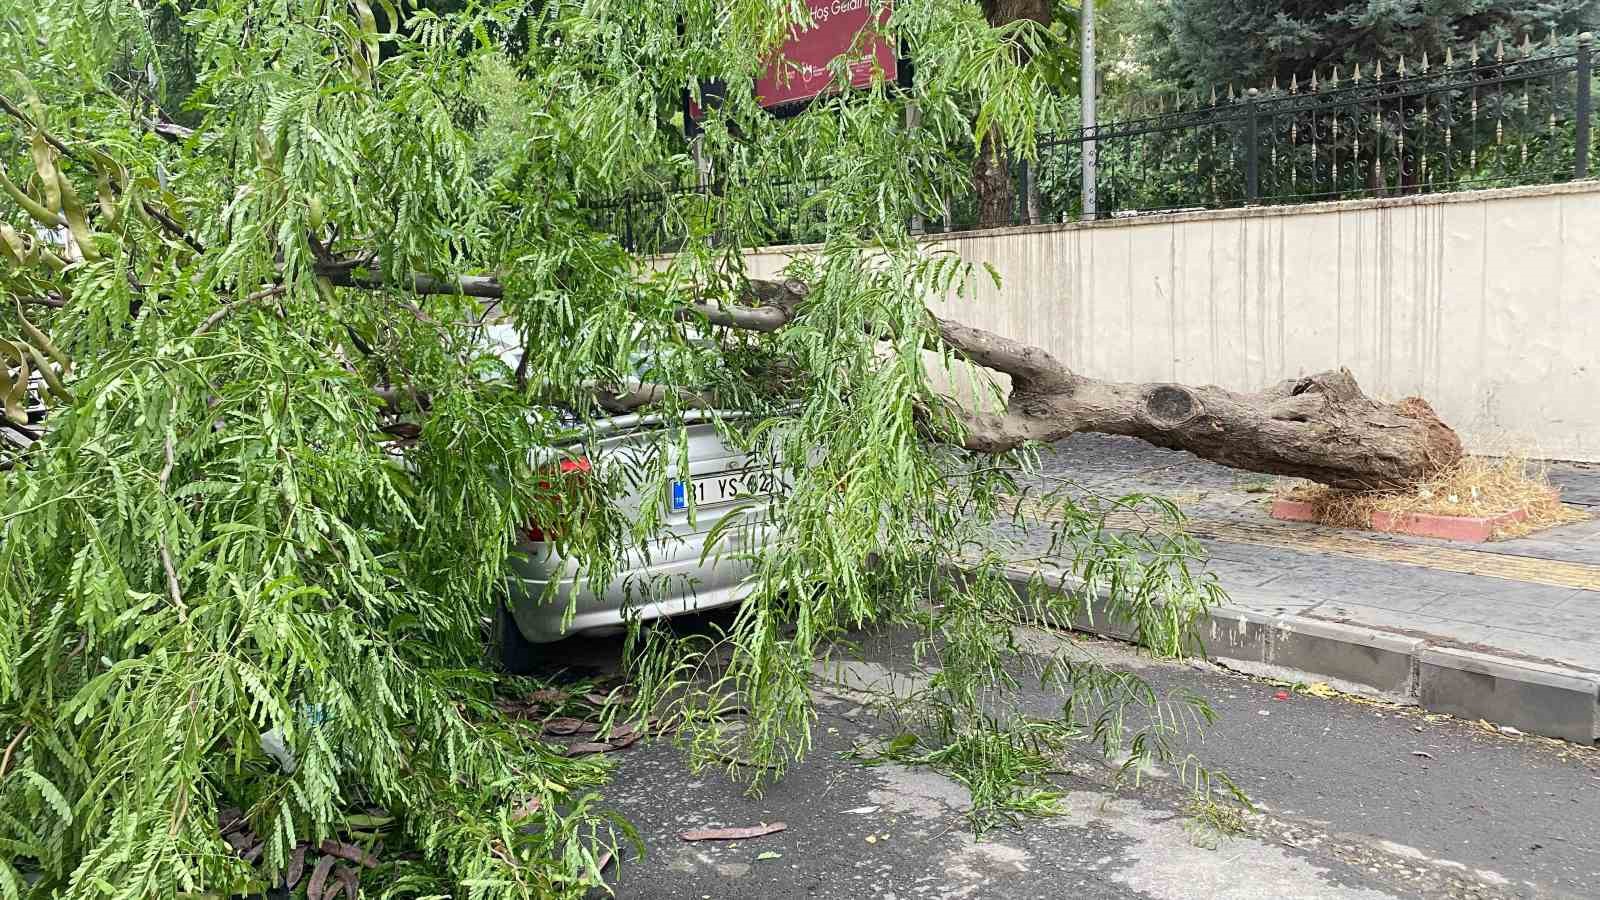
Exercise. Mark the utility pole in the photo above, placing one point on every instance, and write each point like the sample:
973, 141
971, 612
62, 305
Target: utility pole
1088, 87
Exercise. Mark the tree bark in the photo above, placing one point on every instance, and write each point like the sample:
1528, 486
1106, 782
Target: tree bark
991, 183
1320, 427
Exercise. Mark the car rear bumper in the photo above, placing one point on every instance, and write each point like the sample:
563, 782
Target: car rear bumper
673, 580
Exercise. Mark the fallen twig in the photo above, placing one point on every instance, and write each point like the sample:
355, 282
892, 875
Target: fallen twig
732, 834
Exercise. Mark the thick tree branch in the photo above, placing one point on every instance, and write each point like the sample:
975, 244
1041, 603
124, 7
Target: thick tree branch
641, 395
1320, 427
769, 305
363, 274
1026, 364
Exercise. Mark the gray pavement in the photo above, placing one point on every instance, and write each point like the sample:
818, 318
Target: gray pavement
1358, 799
1531, 602
1557, 623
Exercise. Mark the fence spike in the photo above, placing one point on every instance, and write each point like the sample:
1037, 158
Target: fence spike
1314, 86
1357, 76
1550, 39
1333, 81
1294, 83
1401, 72
1213, 95
1424, 69
1449, 58
1274, 84
1474, 54
1377, 72
1527, 45
1499, 49
1230, 92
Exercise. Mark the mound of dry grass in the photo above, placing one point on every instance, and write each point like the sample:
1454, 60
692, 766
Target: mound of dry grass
1476, 486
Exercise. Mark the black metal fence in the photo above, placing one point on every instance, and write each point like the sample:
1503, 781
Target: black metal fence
1490, 119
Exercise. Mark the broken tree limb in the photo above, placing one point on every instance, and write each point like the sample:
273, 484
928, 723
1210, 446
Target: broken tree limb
363, 273
1321, 427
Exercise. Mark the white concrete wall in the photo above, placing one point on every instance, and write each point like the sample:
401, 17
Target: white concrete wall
1486, 303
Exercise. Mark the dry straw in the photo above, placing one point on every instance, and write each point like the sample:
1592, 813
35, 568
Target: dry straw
1476, 486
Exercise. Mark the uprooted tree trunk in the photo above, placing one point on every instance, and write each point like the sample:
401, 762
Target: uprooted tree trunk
1321, 427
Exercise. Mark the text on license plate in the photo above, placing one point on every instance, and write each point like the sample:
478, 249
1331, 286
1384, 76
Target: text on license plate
710, 490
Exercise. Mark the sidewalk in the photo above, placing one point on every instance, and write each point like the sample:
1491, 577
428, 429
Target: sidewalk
1507, 631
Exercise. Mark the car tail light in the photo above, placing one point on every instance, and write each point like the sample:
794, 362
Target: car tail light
567, 469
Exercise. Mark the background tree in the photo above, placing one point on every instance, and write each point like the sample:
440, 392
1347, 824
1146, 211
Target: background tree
1206, 43
993, 186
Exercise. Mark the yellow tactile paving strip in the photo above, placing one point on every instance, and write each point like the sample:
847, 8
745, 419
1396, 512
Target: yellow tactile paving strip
1526, 569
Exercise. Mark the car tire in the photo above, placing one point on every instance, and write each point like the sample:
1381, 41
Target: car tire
517, 654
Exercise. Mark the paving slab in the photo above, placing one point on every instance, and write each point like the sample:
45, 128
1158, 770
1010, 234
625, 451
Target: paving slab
1493, 599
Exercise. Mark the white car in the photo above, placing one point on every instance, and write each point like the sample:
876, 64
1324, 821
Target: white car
715, 517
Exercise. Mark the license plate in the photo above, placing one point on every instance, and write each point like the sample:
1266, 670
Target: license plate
728, 487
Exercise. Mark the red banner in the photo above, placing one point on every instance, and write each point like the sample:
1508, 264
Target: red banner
801, 70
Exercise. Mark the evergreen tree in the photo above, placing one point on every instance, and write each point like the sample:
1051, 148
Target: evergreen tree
1205, 43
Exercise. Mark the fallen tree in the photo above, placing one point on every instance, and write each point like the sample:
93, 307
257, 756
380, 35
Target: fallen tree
267, 472
1319, 427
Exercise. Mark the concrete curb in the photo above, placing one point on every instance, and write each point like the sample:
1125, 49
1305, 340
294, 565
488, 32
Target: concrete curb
1534, 697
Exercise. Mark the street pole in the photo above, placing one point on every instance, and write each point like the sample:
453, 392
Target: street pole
1086, 68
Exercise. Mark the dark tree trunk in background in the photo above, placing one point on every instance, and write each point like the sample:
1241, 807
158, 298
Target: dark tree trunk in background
993, 184
991, 179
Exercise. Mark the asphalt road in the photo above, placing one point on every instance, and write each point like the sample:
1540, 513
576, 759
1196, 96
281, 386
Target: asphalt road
1356, 799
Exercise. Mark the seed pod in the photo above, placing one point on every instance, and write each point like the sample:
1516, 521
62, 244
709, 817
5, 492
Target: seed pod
77, 218
5, 396
41, 340
31, 206
51, 379
365, 53
314, 216
266, 154
18, 390
107, 198
49, 177
12, 245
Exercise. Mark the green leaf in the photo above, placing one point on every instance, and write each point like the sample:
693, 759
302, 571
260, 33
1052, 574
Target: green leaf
52, 795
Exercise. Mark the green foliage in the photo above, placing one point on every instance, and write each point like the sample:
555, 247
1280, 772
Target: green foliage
1205, 43
274, 495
